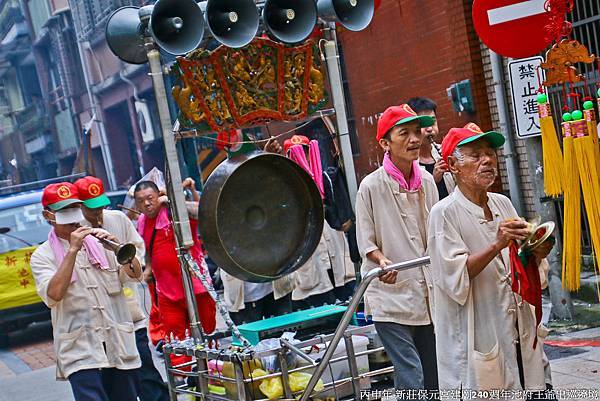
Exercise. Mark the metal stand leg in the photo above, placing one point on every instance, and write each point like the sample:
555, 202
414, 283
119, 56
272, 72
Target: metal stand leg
181, 223
170, 377
352, 364
239, 376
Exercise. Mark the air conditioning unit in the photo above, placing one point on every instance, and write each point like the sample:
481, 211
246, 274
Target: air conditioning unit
144, 122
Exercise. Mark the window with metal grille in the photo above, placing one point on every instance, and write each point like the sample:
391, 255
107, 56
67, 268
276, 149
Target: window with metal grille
6, 123
91, 15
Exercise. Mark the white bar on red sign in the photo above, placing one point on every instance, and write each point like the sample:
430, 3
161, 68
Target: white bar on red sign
516, 11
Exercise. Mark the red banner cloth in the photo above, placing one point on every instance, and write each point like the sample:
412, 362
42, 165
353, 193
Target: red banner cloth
526, 282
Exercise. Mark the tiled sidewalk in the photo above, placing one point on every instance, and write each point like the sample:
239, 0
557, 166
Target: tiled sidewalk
30, 350
38, 355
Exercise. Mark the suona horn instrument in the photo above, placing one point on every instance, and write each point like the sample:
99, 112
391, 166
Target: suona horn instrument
124, 252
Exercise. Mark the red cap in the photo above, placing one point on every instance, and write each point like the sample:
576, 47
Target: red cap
295, 140
91, 192
60, 195
396, 115
469, 133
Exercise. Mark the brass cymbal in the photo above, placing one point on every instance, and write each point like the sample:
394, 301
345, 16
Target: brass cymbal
539, 234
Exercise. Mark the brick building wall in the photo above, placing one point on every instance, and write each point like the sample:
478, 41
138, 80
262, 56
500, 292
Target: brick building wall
412, 49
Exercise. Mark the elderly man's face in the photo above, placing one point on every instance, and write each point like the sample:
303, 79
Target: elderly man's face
94, 216
479, 165
403, 141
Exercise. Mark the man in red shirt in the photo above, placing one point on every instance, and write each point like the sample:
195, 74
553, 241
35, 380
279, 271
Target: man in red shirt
156, 229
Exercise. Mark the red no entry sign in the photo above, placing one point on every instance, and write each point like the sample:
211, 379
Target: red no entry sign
512, 28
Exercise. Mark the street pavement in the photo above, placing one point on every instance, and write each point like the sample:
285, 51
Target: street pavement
27, 367
576, 367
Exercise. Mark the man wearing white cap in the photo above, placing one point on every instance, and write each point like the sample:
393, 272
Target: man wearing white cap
82, 284
95, 201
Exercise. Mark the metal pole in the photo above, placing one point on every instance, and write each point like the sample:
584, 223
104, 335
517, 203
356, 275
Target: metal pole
181, 222
170, 378
178, 207
339, 104
512, 164
352, 365
347, 317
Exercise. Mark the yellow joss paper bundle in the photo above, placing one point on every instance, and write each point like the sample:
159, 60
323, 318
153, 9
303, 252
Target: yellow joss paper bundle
585, 153
593, 142
552, 156
587, 160
571, 263
590, 118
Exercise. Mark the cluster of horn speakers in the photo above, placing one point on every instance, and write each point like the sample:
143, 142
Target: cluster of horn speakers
261, 214
179, 26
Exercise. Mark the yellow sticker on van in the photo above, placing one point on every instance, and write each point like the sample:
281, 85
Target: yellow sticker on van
17, 286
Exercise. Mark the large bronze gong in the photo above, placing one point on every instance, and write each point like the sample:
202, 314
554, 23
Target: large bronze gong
260, 217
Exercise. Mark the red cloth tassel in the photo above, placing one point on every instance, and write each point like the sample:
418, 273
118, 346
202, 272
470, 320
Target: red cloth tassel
225, 139
526, 282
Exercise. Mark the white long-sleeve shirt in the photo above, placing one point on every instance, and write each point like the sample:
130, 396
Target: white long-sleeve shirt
476, 318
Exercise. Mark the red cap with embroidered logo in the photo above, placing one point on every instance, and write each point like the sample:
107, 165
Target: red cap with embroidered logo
469, 133
295, 140
60, 195
91, 192
397, 115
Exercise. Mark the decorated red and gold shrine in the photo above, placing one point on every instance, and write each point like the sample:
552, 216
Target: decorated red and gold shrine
236, 88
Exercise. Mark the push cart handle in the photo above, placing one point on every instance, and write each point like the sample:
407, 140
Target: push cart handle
347, 317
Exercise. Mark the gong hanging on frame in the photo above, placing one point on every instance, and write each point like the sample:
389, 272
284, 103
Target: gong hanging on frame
260, 216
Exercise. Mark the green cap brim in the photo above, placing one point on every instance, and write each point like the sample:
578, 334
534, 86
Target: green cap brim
424, 121
63, 204
98, 201
494, 138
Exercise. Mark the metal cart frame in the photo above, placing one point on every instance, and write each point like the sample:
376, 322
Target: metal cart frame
201, 354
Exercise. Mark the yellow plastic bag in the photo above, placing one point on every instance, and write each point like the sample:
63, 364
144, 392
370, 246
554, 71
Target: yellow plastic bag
299, 381
258, 372
214, 389
248, 367
272, 388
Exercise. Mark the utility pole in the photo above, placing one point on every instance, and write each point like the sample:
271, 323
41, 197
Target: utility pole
510, 154
562, 306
